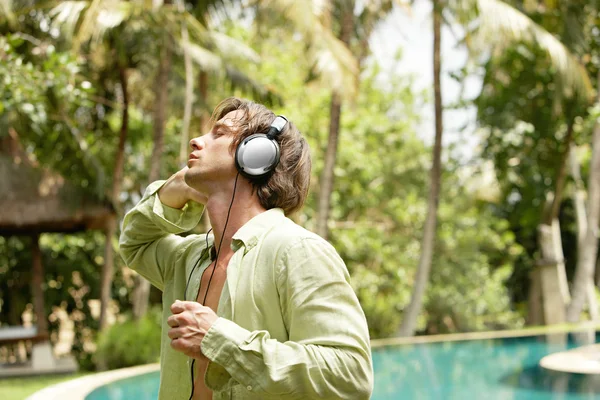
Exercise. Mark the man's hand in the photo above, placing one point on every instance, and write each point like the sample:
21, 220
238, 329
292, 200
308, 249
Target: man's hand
175, 192
189, 324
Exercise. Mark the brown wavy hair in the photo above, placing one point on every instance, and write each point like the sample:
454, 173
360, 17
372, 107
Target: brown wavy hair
287, 187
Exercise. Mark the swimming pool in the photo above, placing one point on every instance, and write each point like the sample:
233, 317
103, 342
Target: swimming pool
462, 370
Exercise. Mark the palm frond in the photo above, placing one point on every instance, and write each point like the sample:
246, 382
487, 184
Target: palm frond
231, 48
196, 30
90, 19
66, 15
108, 19
6, 12
334, 62
238, 80
501, 25
206, 59
304, 15
87, 28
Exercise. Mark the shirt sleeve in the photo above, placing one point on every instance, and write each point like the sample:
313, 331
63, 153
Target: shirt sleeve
328, 352
149, 241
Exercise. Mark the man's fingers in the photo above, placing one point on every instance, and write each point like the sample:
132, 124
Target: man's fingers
175, 333
172, 321
178, 306
177, 344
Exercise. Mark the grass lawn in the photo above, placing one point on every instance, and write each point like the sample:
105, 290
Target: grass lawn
20, 388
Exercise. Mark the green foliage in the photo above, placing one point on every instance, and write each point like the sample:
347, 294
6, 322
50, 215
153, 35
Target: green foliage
130, 343
46, 101
71, 280
67, 111
379, 203
524, 115
474, 257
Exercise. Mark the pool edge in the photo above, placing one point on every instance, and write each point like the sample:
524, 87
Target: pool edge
79, 388
453, 337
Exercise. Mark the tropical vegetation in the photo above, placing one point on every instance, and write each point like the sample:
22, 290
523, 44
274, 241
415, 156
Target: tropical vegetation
107, 93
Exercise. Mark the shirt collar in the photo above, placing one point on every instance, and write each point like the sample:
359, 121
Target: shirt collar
251, 231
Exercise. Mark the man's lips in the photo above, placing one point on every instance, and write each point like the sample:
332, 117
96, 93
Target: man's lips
193, 156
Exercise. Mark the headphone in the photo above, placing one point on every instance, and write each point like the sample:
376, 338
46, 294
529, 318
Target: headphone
258, 155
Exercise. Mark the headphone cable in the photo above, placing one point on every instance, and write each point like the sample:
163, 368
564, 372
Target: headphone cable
213, 271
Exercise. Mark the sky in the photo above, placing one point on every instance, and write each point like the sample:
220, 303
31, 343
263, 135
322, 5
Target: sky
414, 35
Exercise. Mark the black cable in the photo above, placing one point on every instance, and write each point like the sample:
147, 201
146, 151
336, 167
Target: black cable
213, 271
184, 297
222, 237
195, 265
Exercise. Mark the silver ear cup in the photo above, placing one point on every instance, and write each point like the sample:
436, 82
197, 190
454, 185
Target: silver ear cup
257, 155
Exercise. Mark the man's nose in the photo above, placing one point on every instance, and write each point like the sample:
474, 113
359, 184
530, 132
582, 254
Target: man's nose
197, 143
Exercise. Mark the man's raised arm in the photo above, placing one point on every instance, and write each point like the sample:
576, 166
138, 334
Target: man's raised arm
149, 242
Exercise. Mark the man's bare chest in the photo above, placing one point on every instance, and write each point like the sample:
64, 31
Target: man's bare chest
211, 286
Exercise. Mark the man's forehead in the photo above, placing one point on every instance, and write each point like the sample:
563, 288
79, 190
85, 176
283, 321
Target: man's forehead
231, 118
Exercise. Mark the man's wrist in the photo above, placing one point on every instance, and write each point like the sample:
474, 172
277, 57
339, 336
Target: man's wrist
221, 339
169, 200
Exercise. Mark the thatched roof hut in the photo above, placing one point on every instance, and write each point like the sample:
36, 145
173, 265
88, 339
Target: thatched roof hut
36, 200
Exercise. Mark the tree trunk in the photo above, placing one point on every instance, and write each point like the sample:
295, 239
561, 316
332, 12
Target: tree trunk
534, 302
552, 274
327, 177
587, 247
37, 281
142, 286
335, 113
578, 197
189, 97
409, 320
204, 127
160, 111
111, 225
561, 177
203, 91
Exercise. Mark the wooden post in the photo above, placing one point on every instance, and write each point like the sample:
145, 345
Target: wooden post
37, 281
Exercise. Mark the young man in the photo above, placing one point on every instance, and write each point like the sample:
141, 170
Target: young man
261, 309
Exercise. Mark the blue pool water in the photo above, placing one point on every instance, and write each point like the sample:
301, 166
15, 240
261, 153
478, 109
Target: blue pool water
462, 370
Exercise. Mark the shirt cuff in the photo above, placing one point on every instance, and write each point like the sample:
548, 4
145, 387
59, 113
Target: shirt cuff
170, 219
223, 337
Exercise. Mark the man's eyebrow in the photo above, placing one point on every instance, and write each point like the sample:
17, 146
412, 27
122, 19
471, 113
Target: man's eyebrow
220, 126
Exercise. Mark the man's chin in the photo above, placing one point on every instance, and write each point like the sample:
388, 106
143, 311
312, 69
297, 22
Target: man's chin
189, 177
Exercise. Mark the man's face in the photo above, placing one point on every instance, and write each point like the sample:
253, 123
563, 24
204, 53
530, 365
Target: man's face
211, 161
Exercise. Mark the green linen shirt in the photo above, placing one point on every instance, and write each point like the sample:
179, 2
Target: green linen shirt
290, 326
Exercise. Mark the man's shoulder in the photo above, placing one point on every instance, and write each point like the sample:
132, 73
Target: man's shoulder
287, 234
287, 229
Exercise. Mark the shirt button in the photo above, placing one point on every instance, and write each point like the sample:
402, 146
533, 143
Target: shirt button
249, 387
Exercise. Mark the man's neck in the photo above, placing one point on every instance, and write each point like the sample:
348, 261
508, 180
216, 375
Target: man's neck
245, 207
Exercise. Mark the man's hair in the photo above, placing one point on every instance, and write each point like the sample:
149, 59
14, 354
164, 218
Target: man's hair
286, 187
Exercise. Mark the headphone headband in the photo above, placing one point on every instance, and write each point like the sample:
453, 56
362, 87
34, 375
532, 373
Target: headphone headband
277, 126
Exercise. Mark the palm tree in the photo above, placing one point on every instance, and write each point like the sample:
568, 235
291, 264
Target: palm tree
346, 20
551, 285
90, 22
411, 313
587, 243
211, 50
355, 29
499, 26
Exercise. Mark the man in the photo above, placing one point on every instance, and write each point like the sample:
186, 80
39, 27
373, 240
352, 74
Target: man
266, 310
